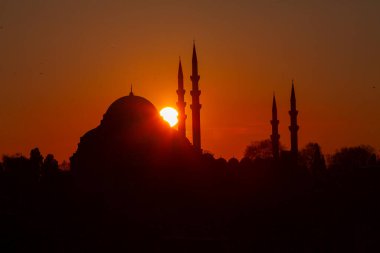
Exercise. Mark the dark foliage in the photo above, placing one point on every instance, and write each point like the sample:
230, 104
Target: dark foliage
312, 158
352, 158
218, 206
260, 150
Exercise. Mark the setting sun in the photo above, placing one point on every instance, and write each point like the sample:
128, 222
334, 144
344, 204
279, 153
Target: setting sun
170, 115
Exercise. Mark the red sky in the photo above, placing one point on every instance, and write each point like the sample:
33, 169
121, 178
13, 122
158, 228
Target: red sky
62, 63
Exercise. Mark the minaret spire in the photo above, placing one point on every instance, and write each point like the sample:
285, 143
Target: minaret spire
196, 106
181, 104
131, 92
293, 122
293, 97
194, 61
275, 136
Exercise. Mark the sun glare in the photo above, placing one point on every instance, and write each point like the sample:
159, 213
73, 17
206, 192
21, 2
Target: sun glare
170, 115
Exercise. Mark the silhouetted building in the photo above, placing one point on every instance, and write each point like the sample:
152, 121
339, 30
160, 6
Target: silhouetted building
293, 123
181, 104
196, 106
275, 136
131, 141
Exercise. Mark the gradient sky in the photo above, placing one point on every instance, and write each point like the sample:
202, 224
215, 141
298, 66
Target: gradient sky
63, 62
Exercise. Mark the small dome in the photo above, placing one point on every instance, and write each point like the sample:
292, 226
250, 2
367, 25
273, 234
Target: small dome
129, 110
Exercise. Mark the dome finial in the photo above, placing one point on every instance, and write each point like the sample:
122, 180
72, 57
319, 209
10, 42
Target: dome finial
131, 93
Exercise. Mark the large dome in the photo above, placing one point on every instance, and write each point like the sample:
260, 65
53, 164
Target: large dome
131, 141
129, 110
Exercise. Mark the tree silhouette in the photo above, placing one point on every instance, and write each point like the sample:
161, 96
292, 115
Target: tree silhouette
36, 161
64, 166
312, 157
233, 163
372, 161
50, 166
260, 150
351, 157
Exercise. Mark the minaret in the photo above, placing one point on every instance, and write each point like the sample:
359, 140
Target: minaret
181, 104
293, 123
196, 106
275, 136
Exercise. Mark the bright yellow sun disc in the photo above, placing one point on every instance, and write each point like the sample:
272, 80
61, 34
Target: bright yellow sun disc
170, 115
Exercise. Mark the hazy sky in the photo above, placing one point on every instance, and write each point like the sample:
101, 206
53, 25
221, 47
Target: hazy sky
62, 63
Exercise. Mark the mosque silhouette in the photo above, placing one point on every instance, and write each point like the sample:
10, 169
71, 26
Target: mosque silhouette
138, 185
133, 136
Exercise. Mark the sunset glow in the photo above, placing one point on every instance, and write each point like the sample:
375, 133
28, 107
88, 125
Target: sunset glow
64, 62
170, 115
147, 125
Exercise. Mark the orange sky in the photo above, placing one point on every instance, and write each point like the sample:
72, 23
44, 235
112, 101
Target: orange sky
62, 63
